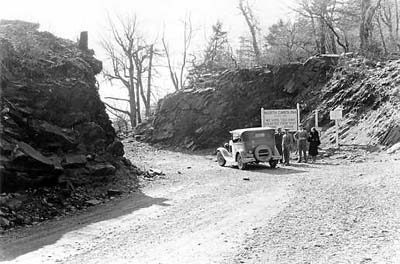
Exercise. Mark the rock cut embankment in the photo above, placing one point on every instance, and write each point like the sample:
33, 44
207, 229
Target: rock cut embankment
54, 128
202, 115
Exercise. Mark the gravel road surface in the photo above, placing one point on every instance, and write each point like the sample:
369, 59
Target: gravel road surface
334, 211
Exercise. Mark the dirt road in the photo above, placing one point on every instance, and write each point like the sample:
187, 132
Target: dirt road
329, 212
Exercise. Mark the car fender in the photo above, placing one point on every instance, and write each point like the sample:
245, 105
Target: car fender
225, 153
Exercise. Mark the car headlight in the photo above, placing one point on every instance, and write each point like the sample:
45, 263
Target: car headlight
250, 152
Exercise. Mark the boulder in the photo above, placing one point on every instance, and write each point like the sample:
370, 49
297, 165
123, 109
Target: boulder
116, 148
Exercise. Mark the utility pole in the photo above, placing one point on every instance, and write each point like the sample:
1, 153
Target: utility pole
336, 115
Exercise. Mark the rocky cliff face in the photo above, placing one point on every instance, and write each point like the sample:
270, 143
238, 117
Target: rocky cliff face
203, 114
54, 128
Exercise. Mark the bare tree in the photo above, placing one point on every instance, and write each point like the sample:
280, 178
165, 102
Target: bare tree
147, 97
130, 58
378, 21
390, 19
325, 14
253, 27
187, 38
368, 9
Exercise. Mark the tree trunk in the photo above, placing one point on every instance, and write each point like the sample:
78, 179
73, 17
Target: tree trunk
333, 43
396, 5
132, 108
132, 98
382, 36
367, 14
317, 44
322, 36
149, 82
172, 73
138, 108
139, 87
255, 45
252, 27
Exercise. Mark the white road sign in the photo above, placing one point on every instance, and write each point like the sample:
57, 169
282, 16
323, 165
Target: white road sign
336, 114
281, 118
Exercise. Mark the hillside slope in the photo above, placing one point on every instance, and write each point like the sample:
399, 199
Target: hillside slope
369, 94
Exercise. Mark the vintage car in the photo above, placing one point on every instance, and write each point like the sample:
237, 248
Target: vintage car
250, 145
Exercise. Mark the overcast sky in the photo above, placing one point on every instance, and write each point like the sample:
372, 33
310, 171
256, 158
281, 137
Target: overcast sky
68, 18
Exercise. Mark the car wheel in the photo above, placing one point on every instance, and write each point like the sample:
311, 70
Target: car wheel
240, 163
220, 158
273, 163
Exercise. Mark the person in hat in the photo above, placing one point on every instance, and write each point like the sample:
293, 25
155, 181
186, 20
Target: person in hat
287, 142
278, 142
301, 137
314, 140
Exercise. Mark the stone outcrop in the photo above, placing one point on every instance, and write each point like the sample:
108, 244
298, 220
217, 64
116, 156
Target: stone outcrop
202, 115
54, 128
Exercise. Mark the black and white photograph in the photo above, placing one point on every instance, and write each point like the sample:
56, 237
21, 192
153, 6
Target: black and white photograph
197, 132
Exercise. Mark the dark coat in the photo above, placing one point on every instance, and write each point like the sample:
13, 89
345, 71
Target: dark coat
313, 138
278, 142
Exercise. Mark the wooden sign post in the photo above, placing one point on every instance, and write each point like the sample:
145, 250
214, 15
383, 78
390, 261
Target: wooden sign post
336, 115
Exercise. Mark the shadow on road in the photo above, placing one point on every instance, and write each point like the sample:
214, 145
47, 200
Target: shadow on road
261, 168
280, 170
36, 237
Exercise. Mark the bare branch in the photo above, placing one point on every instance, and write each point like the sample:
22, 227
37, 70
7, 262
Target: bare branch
118, 99
171, 71
118, 110
187, 37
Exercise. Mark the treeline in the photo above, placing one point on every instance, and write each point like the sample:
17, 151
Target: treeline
367, 27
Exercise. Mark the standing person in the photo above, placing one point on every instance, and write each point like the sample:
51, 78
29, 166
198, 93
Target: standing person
314, 140
278, 142
287, 142
301, 136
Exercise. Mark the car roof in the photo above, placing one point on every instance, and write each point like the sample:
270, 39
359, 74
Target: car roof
253, 129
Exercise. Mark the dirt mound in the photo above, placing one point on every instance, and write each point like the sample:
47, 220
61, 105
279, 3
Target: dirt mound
203, 114
54, 128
